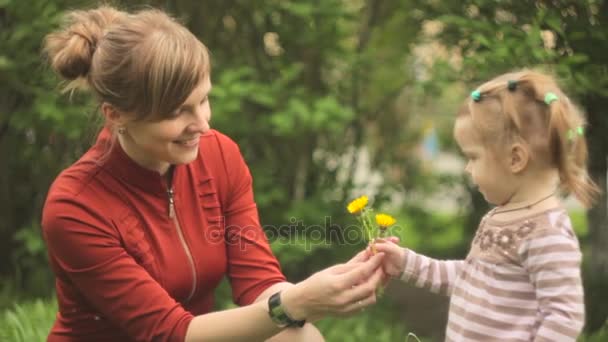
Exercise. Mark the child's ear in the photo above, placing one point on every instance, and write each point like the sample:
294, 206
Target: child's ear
520, 157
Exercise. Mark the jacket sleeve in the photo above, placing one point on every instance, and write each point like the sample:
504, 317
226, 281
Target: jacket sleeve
252, 267
86, 249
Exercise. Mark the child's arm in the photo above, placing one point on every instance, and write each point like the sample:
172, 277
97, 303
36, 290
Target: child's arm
436, 275
552, 260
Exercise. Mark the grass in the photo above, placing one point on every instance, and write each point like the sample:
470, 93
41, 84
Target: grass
376, 323
31, 321
28, 321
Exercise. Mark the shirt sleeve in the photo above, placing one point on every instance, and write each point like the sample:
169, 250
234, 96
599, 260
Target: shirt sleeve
86, 248
438, 276
252, 267
552, 259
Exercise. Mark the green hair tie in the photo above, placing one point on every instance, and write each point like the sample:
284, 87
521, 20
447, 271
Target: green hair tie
572, 133
476, 95
550, 97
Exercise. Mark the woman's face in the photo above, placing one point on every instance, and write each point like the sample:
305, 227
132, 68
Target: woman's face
156, 145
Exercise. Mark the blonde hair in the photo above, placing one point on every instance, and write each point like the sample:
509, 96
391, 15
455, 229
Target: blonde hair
144, 63
512, 107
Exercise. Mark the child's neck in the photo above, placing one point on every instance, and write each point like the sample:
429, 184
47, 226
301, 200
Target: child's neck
535, 193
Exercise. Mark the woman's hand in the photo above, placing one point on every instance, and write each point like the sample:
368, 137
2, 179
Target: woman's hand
337, 290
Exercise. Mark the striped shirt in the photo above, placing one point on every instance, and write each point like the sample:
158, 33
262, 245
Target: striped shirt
521, 281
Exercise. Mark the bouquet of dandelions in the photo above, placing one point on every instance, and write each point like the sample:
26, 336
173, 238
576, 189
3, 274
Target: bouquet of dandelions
371, 230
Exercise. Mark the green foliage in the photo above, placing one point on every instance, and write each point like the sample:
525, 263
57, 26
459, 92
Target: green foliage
28, 321
40, 132
295, 106
302, 86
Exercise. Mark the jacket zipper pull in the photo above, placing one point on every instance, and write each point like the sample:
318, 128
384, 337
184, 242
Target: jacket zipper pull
171, 203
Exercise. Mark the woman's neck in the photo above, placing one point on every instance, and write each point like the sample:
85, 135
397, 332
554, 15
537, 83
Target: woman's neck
130, 148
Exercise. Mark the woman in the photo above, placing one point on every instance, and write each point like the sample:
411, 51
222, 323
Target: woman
144, 226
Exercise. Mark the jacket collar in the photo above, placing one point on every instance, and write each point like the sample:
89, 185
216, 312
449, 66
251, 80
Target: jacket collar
120, 165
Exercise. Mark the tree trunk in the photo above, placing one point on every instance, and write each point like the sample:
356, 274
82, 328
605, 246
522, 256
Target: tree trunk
596, 269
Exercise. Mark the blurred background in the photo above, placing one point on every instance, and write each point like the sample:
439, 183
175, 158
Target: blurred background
328, 100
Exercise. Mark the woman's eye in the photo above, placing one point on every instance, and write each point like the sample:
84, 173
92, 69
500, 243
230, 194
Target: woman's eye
205, 99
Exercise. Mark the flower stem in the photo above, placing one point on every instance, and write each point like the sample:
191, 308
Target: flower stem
368, 225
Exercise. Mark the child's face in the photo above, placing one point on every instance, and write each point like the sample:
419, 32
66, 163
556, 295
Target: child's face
488, 171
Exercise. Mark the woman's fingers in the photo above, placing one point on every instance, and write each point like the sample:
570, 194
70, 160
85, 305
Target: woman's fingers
362, 271
365, 288
359, 257
363, 295
358, 306
344, 268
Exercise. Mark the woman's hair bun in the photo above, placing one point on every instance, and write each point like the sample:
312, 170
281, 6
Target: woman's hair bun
70, 49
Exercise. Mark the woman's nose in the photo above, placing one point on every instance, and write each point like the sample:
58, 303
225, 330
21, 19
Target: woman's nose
202, 117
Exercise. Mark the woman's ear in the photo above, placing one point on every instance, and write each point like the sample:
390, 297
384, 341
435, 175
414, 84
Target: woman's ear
520, 157
114, 116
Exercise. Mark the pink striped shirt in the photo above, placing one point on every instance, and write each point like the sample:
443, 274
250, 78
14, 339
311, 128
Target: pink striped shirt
521, 281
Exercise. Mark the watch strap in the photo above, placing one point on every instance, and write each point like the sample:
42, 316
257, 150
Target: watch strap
278, 315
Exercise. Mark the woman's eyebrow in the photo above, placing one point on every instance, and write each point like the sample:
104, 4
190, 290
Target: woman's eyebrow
189, 107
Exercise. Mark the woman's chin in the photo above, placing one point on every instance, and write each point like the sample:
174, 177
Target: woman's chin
185, 157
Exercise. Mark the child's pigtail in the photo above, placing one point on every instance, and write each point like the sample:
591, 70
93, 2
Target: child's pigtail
566, 127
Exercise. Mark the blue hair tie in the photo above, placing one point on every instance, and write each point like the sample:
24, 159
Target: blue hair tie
476, 95
550, 97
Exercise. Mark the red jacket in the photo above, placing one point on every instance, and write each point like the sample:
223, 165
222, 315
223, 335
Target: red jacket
131, 266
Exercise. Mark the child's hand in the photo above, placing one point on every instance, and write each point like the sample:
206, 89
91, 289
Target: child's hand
394, 256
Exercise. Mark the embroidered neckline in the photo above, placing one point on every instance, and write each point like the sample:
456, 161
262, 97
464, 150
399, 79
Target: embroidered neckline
517, 220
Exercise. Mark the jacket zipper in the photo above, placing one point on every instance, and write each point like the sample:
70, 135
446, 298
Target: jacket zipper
180, 233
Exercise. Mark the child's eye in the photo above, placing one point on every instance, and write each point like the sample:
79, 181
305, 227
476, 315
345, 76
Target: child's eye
205, 99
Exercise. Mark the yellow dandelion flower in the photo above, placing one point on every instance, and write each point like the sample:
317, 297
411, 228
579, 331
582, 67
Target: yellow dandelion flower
384, 221
357, 205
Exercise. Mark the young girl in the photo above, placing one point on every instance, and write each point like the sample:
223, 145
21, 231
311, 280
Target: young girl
521, 281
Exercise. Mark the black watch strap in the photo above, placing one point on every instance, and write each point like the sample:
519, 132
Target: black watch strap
278, 315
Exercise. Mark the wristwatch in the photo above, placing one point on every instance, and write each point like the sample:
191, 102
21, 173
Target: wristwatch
279, 316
